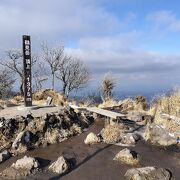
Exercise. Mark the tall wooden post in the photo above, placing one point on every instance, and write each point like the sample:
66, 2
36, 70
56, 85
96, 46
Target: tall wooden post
27, 70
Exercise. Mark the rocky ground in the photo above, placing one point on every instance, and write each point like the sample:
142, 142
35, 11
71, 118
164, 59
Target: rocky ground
96, 161
61, 143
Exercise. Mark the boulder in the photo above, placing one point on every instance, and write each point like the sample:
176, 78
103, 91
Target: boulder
127, 156
129, 139
158, 135
26, 162
148, 173
21, 168
60, 166
4, 155
92, 139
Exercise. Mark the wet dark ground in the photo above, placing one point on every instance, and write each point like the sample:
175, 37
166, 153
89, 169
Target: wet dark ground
95, 162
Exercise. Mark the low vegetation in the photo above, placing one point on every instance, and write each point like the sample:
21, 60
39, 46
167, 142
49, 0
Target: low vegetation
167, 104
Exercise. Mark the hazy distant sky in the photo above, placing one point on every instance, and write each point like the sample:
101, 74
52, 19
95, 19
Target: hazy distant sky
136, 40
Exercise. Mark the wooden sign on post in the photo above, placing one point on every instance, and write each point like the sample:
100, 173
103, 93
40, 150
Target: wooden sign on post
27, 70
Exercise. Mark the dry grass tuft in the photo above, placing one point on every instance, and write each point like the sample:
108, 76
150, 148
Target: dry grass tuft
112, 133
168, 104
51, 136
57, 98
9, 103
126, 105
18, 99
109, 103
107, 87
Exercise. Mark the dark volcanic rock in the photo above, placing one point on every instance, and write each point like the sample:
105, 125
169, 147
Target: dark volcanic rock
25, 133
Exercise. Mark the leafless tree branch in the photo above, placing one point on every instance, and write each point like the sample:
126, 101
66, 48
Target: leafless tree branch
73, 74
53, 57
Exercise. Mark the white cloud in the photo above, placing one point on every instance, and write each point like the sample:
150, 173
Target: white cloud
97, 34
164, 20
62, 20
58, 20
132, 66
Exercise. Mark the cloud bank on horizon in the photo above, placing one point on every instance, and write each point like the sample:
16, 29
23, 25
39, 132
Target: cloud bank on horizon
137, 41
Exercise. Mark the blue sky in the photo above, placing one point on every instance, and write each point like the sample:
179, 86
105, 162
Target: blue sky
137, 41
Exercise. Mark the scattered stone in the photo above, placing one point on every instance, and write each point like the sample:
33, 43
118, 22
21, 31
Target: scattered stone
127, 156
92, 139
60, 166
148, 173
158, 135
21, 168
4, 155
28, 163
129, 139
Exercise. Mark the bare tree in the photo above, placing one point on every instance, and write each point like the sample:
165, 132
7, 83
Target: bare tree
39, 76
107, 87
53, 57
73, 74
6, 82
14, 63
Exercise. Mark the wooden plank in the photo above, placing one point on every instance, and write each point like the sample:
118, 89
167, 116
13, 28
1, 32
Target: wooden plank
104, 112
77, 107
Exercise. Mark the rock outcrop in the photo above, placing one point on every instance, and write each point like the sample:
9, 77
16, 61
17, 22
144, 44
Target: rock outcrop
128, 139
148, 173
60, 166
158, 135
127, 156
24, 133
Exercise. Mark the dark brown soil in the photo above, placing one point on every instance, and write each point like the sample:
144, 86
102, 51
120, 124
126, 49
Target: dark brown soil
95, 162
